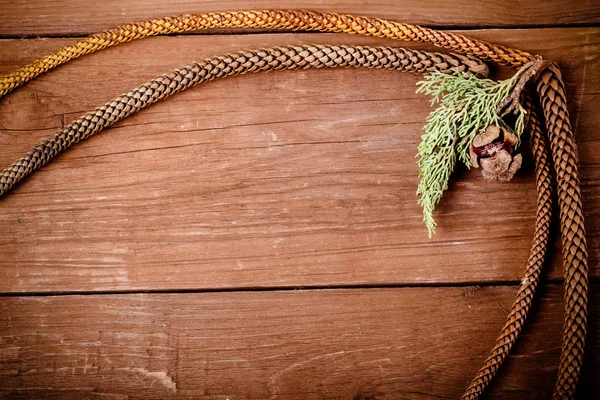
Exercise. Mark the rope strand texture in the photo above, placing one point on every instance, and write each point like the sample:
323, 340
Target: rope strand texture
296, 57
551, 90
295, 20
522, 304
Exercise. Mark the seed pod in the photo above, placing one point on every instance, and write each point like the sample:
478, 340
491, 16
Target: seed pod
492, 150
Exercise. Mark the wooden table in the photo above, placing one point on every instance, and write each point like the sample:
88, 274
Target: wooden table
259, 237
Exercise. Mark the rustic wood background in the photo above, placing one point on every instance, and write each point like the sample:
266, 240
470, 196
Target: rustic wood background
259, 237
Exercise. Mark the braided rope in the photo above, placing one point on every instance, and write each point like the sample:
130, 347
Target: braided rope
572, 232
522, 304
551, 90
297, 57
295, 20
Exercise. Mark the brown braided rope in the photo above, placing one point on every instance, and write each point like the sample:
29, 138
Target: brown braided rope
522, 304
295, 57
330, 22
295, 20
551, 90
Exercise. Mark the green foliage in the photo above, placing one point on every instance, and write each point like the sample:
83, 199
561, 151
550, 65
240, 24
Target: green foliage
467, 105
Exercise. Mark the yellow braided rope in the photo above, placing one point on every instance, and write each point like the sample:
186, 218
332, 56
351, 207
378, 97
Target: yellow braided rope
266, 19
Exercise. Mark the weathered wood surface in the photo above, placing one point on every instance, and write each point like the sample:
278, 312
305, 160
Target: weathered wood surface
280, 180
275, 180
411, 343
73, 17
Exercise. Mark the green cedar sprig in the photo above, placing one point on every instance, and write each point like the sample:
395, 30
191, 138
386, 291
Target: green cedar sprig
467, 105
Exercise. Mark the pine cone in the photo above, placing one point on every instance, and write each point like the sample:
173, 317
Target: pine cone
492, 150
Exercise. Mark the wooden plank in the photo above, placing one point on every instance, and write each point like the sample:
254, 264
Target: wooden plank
72, 17
275, 180
329, 344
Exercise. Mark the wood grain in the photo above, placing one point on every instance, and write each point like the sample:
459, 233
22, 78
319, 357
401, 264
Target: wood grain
281, 180
275, 180
72, 17
417, 343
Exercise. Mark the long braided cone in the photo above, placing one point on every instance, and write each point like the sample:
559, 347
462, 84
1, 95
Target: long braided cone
522, 304
265, 19
551, 90
295, 57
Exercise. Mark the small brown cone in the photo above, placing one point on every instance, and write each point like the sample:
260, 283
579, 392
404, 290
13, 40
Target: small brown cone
492, 150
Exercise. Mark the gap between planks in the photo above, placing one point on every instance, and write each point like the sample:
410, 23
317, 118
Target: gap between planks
241, 32
276, 288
